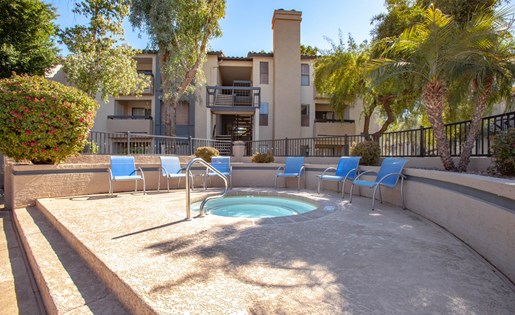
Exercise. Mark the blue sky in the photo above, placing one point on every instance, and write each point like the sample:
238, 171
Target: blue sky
247, 25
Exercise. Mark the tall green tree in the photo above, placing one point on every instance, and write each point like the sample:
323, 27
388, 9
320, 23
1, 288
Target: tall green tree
99, 61
308, 50
342, 74
438, 52
180, 30
26, 37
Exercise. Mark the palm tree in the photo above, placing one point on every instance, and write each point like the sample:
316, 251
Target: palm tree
435, 54
342, 74
491, 72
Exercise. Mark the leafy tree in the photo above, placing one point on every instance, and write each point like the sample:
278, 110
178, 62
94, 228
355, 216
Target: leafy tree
98, 63
308, 50
437, 53
26, 32
342, 74
180, 30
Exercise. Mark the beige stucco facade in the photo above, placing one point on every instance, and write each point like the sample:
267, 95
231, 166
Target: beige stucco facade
289, 106
282, 101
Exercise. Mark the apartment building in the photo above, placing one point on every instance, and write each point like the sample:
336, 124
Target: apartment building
268, 95
261, 96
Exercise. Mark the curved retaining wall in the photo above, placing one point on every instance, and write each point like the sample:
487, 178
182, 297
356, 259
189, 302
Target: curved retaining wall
479, 210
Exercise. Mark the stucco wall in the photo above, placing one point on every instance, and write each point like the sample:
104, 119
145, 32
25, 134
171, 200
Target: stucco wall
477, 209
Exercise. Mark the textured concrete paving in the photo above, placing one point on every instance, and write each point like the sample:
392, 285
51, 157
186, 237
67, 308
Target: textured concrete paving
18, 293
349, 261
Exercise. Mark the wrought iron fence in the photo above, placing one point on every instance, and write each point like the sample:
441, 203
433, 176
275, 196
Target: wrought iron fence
133, 143
407, 143
318, 146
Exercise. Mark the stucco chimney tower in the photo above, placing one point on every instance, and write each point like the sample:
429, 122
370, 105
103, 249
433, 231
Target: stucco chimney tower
286, 74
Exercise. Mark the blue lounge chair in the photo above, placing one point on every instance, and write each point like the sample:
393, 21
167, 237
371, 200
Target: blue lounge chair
294, 167
123, 168
221, 164
347, 170
171, 168
388, 176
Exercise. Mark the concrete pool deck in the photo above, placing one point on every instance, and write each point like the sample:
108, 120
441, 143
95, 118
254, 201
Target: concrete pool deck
346, 259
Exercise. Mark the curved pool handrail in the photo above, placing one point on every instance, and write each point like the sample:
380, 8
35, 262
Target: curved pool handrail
188, 199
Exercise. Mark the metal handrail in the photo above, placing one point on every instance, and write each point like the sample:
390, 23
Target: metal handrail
188, 199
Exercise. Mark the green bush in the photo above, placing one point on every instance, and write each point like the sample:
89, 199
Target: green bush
206, 153
43, 121
263, 157
369, 152
503, 154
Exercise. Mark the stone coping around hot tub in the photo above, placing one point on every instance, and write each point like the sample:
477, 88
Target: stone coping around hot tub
325, 205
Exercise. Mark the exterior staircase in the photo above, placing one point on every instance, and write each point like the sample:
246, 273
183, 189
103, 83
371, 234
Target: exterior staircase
225, 147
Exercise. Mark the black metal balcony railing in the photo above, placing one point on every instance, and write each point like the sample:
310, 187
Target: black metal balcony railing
137, 143
129, 117
327, 120
230, 96
408, 143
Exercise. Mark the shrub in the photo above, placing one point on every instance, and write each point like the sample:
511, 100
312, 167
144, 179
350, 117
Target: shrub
91, 147
504, 152
43, 121
206, 153
263, 157
369, 152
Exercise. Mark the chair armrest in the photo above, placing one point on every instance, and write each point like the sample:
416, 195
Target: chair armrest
364, 173
301, 170
110, 173
164, 169
350, 172
391, 174
328, 169
278, 169
140, 170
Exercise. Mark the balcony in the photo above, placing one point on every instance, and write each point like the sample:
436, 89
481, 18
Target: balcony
149, 90
233, 98
334, 127
124, 123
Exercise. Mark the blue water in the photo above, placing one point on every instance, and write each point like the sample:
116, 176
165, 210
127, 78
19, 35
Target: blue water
256, 207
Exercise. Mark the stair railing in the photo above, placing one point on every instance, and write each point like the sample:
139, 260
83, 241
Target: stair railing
188, 198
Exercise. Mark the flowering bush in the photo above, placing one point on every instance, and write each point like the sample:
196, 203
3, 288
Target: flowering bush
43, 121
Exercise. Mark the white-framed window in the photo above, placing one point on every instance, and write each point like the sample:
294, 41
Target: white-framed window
304, 74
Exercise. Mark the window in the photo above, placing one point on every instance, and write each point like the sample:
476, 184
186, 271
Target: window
263, 72
324, 115
304, 115
182, 114
304, 74
140, 111
263, 114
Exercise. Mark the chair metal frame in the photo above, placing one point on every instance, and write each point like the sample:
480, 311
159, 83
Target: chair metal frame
168, 167
290, 160
380, 178
219, 163
123, 168
348, 167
